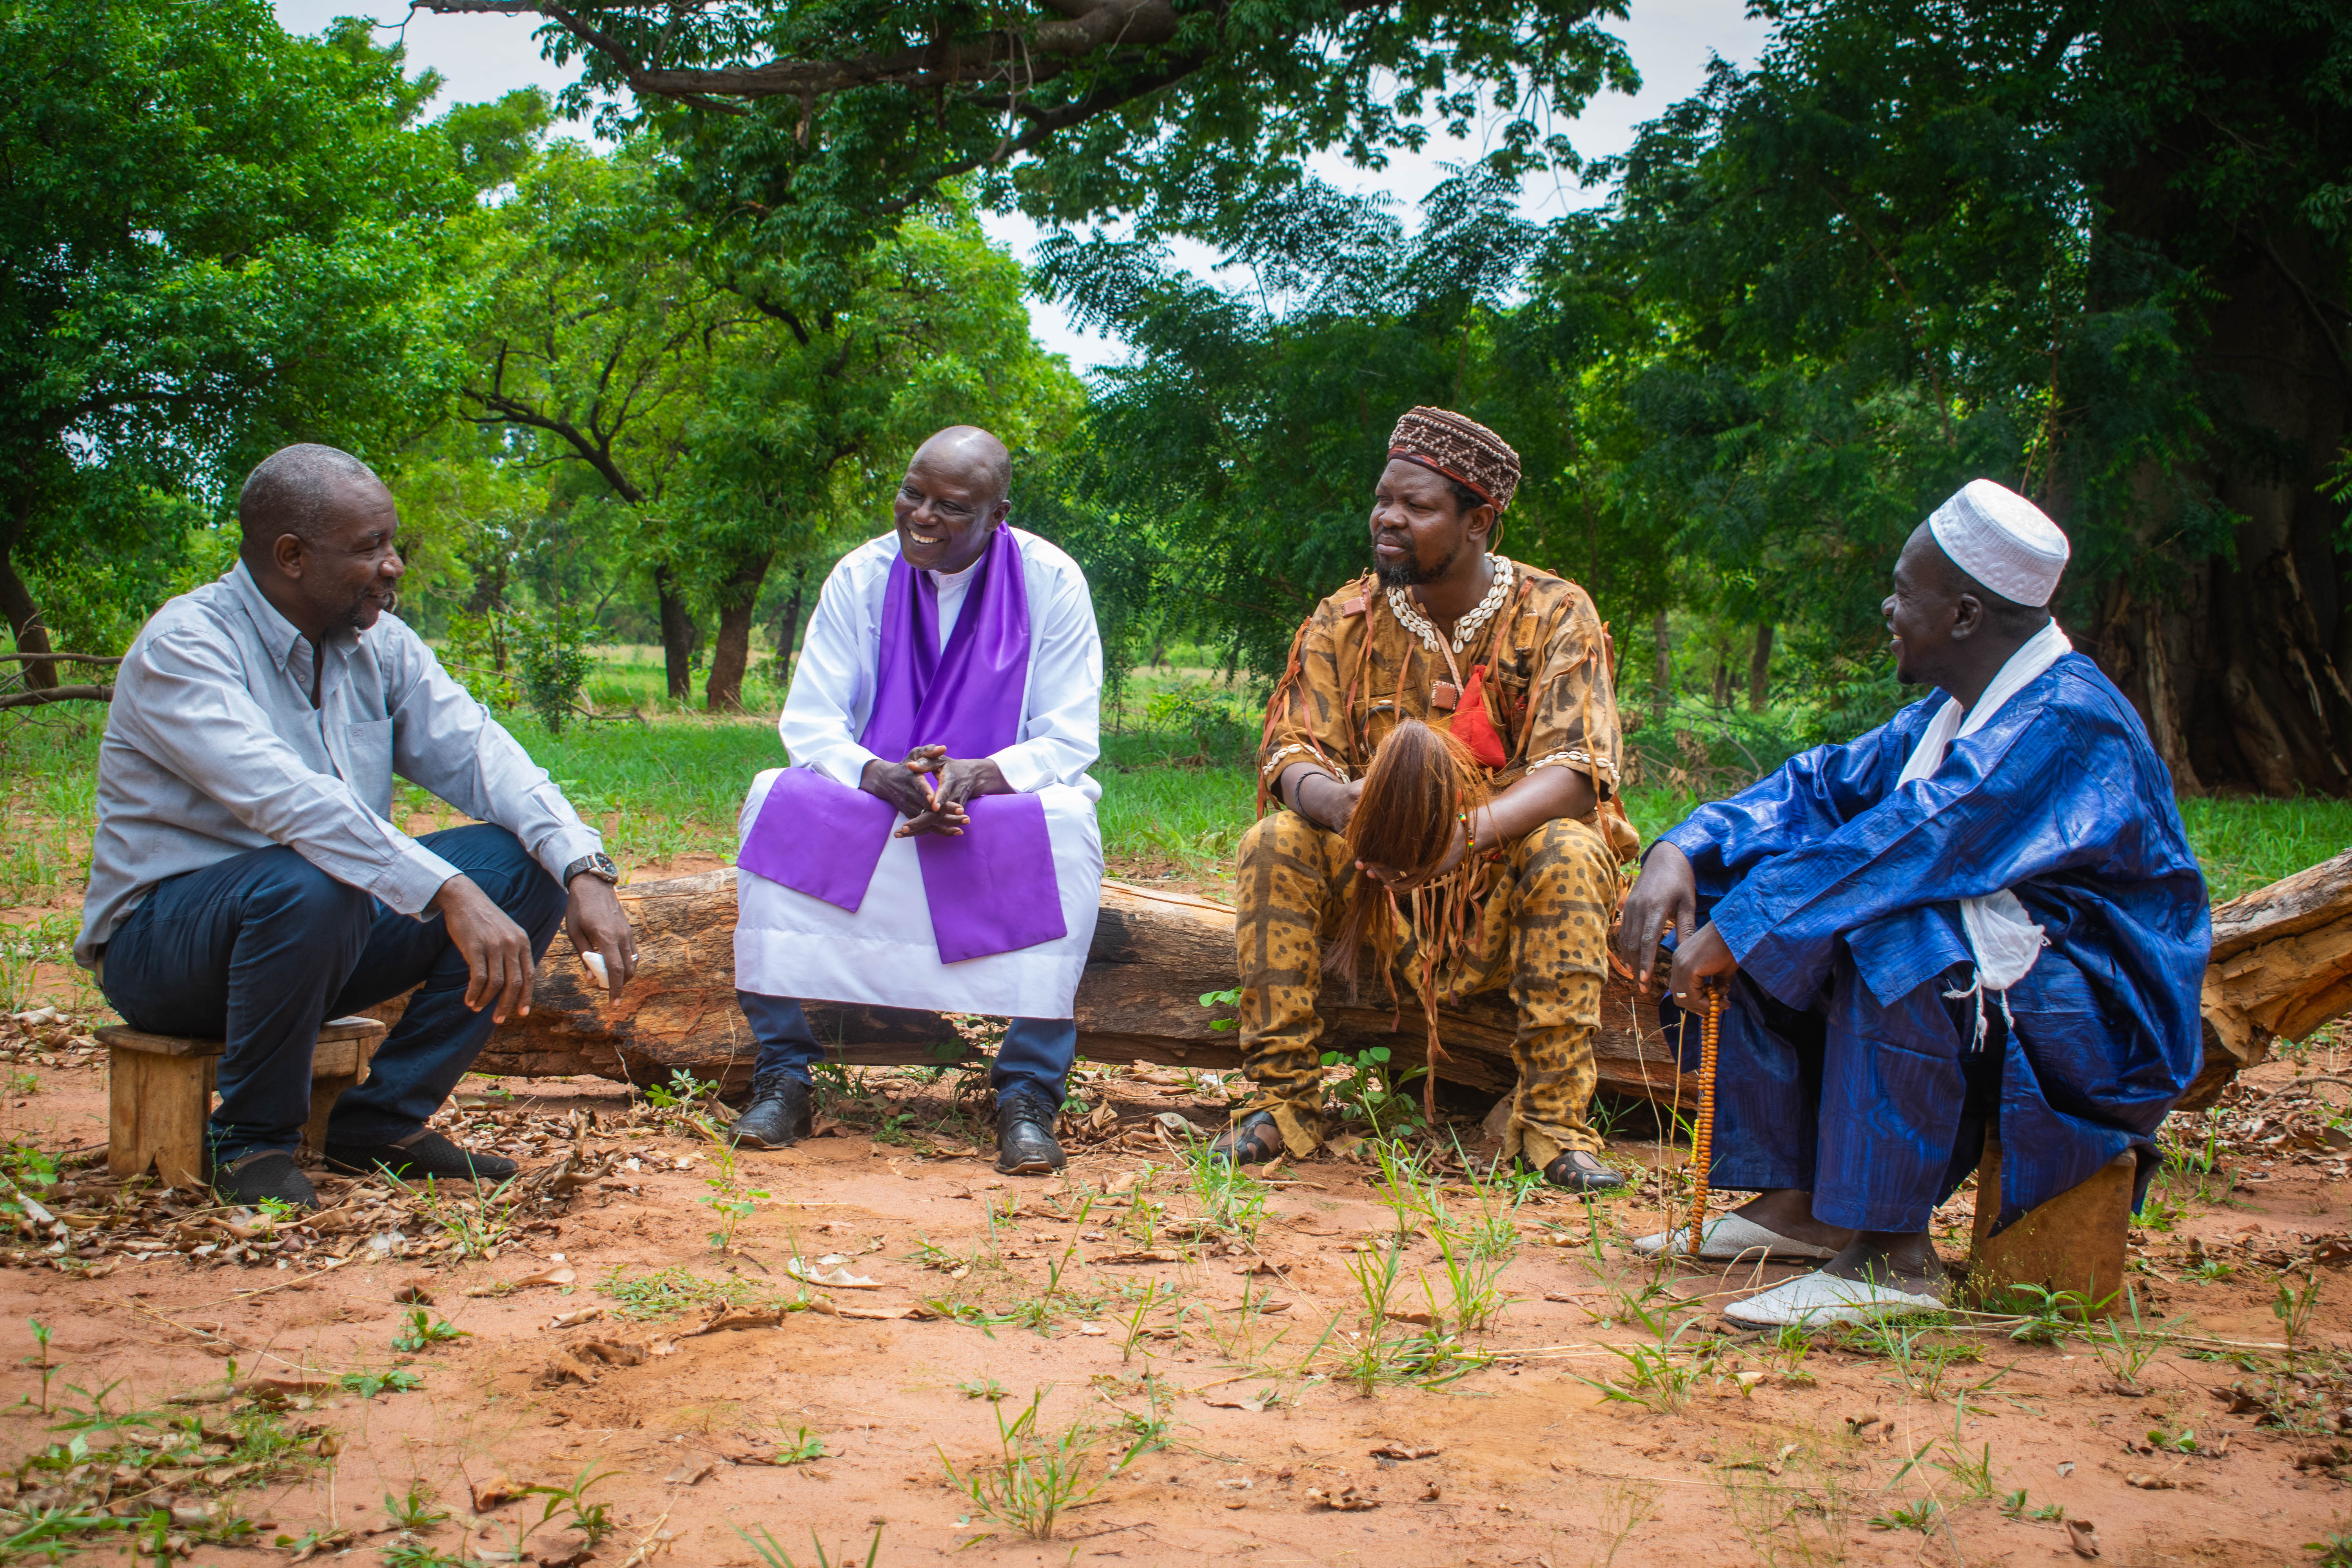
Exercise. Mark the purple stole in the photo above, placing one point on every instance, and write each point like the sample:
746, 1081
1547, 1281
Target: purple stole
991, 891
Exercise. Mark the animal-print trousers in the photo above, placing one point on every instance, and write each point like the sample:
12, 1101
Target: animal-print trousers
1542, 930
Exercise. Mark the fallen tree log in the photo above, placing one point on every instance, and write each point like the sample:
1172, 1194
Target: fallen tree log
2282, 966
1155, 955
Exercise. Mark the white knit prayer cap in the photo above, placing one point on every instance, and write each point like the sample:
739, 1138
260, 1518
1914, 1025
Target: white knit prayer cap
2001, 540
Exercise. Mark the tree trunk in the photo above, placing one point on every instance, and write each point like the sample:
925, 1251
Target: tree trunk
1722, 681
787, 622
2240, 672
676, 634
1759, 669
16, 600
730, 656
1663, 636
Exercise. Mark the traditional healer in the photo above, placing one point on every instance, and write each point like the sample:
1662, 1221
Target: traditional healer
1982, 916
933, 843
1515, 663
248, 882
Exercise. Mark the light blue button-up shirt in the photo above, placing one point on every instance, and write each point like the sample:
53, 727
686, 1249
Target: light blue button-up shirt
212, 748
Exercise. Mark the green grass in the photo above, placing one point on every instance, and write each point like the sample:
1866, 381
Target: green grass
2244, 842
1177, 784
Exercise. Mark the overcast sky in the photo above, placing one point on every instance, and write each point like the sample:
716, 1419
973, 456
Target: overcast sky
485, 56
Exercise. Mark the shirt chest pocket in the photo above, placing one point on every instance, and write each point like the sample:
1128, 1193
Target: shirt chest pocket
366, 761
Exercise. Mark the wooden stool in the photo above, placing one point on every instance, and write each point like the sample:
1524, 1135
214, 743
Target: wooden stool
2075, 1242
160, 1095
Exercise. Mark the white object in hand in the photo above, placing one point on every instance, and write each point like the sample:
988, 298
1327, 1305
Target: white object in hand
596, 963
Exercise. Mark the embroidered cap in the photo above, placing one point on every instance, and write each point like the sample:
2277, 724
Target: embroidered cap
2001, 540
1461, 449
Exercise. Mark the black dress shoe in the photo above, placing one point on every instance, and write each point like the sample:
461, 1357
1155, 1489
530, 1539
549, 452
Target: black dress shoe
1580, 1171
431, 1155
1252, 1140
780, 1114
271, 1174
1025, 1133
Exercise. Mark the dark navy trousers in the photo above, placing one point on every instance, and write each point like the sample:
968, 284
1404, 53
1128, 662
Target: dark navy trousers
262, 948
1879, 1111
1036, 1053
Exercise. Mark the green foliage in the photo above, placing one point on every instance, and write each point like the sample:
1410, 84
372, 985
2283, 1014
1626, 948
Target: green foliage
1371, 1090
218, 237
1173, 116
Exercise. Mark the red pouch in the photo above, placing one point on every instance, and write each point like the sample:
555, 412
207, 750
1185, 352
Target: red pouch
1473, 728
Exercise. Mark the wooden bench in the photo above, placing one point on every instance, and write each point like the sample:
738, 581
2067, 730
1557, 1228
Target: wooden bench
2075, 1242
160, 1095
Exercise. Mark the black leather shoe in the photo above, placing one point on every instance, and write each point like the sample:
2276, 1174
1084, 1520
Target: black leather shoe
431, 1155
1581, 1172
1252, 1140
780, 1114
269, 1175
1025, 1133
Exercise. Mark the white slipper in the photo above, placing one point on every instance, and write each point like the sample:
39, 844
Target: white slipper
1818, 1299
1729, 1238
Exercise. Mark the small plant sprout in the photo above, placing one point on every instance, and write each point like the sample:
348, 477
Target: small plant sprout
801, 1447
595, 1521
40, 1362
986, 1388
1921, 1516
2293, 1308
414, 1509
1222, 999
368, 1385
2123, 1352
424, 1329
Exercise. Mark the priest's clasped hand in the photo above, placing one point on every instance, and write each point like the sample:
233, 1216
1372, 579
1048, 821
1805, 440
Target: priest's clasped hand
931, 807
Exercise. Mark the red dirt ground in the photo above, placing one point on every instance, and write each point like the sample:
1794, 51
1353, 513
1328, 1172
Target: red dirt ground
1531, 1465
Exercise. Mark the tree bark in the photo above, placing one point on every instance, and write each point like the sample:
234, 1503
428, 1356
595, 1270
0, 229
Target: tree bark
787, 622
2239, 673
676, 633
730, 656
17, 599
1661, 635
1759, 669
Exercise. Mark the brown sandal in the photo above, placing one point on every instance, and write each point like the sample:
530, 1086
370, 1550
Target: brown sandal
1252, 1140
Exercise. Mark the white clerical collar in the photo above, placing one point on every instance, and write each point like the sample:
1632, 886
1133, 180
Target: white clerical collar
957, 579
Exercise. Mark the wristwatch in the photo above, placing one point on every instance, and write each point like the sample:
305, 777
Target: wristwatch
598, 865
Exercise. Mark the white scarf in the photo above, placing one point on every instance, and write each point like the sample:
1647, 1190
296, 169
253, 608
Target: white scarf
2001, 940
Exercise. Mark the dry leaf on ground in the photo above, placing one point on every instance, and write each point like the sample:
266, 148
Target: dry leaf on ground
2084, 1537
837, 1277
1406, 1451
1347, 1499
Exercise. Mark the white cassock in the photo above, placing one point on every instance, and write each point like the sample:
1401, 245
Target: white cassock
789, 944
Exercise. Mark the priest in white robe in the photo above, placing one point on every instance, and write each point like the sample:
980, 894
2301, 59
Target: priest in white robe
932, 844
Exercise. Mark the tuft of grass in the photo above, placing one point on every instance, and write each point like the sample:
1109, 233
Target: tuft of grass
1039, 1476
774, 1556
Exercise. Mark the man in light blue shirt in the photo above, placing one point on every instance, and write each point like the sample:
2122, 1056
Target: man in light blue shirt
247, 880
